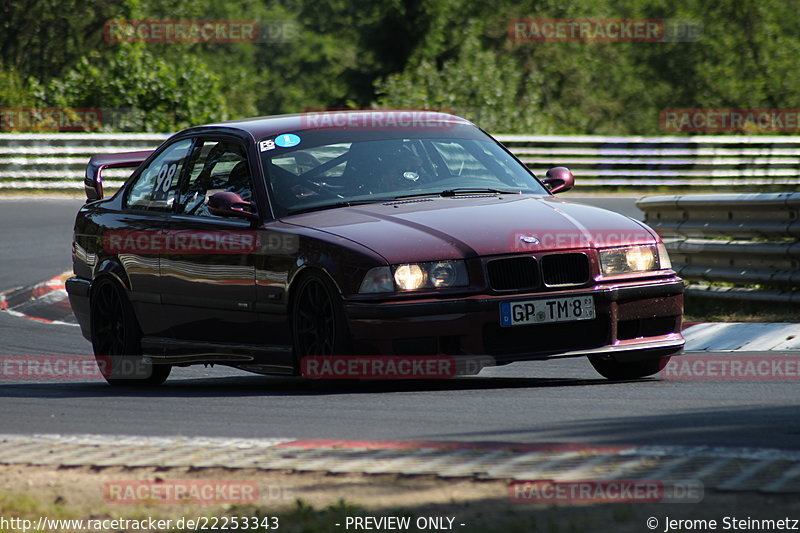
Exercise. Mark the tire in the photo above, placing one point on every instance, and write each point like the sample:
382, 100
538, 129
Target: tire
617, 370
117, 339
319, 325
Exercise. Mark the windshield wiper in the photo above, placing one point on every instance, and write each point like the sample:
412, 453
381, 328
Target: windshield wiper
472, 190
446, 193
349, 203
460, 190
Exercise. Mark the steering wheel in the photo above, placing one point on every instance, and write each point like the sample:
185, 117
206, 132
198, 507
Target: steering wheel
322, 191
199, 202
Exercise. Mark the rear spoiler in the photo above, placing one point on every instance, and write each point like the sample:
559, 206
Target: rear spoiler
93, 183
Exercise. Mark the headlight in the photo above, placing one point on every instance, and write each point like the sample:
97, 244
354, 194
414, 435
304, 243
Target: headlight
409, 277
378, 279
631, 259
443, 274
640, 258
415, 276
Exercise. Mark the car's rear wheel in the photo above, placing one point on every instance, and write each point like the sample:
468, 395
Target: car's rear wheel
319, 326
116, 339
621, 370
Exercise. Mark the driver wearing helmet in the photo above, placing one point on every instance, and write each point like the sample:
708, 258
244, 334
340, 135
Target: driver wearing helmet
383, 166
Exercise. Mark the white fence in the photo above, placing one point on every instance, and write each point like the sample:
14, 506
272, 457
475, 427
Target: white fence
58, 161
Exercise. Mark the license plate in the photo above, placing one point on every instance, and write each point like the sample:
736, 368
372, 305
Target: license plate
544, 311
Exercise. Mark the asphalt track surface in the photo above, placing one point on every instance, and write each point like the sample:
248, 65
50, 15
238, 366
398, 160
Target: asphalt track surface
554, 401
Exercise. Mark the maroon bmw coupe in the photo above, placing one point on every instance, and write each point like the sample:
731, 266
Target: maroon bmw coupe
386, 234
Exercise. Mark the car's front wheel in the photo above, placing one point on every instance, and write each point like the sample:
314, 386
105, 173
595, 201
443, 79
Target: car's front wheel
116, 339
622, 370
318, 319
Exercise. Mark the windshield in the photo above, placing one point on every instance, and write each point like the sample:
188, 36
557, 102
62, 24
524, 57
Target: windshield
326, 169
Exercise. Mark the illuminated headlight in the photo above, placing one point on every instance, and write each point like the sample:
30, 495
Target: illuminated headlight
633, 259
415, 276
432, 275
409, 277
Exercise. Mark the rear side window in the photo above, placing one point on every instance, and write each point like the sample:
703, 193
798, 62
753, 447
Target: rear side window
157, 185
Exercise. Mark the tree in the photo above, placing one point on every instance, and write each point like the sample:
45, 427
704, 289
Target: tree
478, 84
143, 91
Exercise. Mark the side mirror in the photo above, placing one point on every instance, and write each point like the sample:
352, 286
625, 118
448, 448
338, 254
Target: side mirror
559, 179
230, 204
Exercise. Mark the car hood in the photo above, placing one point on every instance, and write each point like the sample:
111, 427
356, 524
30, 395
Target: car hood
428, 229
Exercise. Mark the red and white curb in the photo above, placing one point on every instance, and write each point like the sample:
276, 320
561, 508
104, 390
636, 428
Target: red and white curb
728, 469
48, 302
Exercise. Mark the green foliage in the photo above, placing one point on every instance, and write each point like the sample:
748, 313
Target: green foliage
436, 54
743, 59
477, 84
43, 38
14, 91
161, 96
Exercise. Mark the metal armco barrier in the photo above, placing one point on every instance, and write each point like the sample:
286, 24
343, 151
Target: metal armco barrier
58, 161
749, 240
705, 160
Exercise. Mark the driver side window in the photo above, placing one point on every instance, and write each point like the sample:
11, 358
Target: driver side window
215, 166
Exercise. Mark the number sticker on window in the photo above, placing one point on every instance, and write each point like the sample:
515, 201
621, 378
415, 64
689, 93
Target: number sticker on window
164, 181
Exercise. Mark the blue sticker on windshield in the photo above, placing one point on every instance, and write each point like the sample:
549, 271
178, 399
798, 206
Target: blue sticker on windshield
287, 140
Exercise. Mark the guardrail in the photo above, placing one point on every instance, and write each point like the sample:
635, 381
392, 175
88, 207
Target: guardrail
704, 160
58, 161
749, 241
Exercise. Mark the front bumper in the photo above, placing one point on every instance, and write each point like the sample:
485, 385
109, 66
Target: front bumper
634, 320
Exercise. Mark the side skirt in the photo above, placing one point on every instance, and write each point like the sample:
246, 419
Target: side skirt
262, 359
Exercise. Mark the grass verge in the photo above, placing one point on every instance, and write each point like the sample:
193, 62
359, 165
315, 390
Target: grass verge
323, 503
